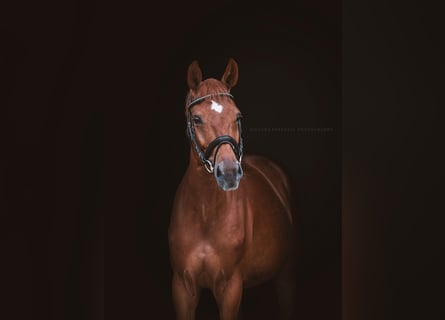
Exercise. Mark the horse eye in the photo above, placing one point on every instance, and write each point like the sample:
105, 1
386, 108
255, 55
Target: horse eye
197, 120
239, 116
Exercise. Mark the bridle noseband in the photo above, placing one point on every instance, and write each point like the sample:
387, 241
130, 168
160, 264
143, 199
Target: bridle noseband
237, 147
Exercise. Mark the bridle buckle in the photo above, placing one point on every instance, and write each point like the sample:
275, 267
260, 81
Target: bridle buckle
208, 166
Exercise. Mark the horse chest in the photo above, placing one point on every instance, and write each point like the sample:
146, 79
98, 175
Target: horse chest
208, 259
224, 235
209, 241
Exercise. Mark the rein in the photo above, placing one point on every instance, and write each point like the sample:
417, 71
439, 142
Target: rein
218, 141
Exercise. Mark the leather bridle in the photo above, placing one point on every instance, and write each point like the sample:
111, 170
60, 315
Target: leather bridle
204, 155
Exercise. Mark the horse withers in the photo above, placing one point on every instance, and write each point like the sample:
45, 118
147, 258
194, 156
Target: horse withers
231, 224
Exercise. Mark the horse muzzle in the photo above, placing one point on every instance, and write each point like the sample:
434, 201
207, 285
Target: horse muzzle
228, 174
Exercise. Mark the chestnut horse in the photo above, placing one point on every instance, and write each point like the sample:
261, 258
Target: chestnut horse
231, 224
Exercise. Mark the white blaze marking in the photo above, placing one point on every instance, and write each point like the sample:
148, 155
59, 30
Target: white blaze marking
216, 107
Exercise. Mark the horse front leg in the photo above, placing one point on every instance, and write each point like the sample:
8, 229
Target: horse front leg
228, 295
185, 296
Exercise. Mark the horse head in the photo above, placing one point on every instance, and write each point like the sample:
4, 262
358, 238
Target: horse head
214, 124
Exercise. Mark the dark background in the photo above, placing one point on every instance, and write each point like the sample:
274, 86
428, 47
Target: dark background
94, 91
393, 160
95, 128
289, 59
55, 89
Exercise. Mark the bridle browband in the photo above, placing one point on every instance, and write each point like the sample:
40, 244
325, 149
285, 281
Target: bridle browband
237, 147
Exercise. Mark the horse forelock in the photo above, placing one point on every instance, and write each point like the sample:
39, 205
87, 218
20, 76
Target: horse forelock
208, 86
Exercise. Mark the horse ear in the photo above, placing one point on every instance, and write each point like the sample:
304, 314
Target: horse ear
230, 76
194, 76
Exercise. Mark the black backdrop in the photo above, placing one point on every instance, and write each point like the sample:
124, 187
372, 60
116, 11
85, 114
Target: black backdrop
289, 60
95, 128
77, 133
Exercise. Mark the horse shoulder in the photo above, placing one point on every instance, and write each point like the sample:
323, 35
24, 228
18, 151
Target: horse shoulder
274, 176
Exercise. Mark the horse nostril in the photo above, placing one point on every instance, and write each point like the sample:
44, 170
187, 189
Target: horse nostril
218, 171
240, 170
